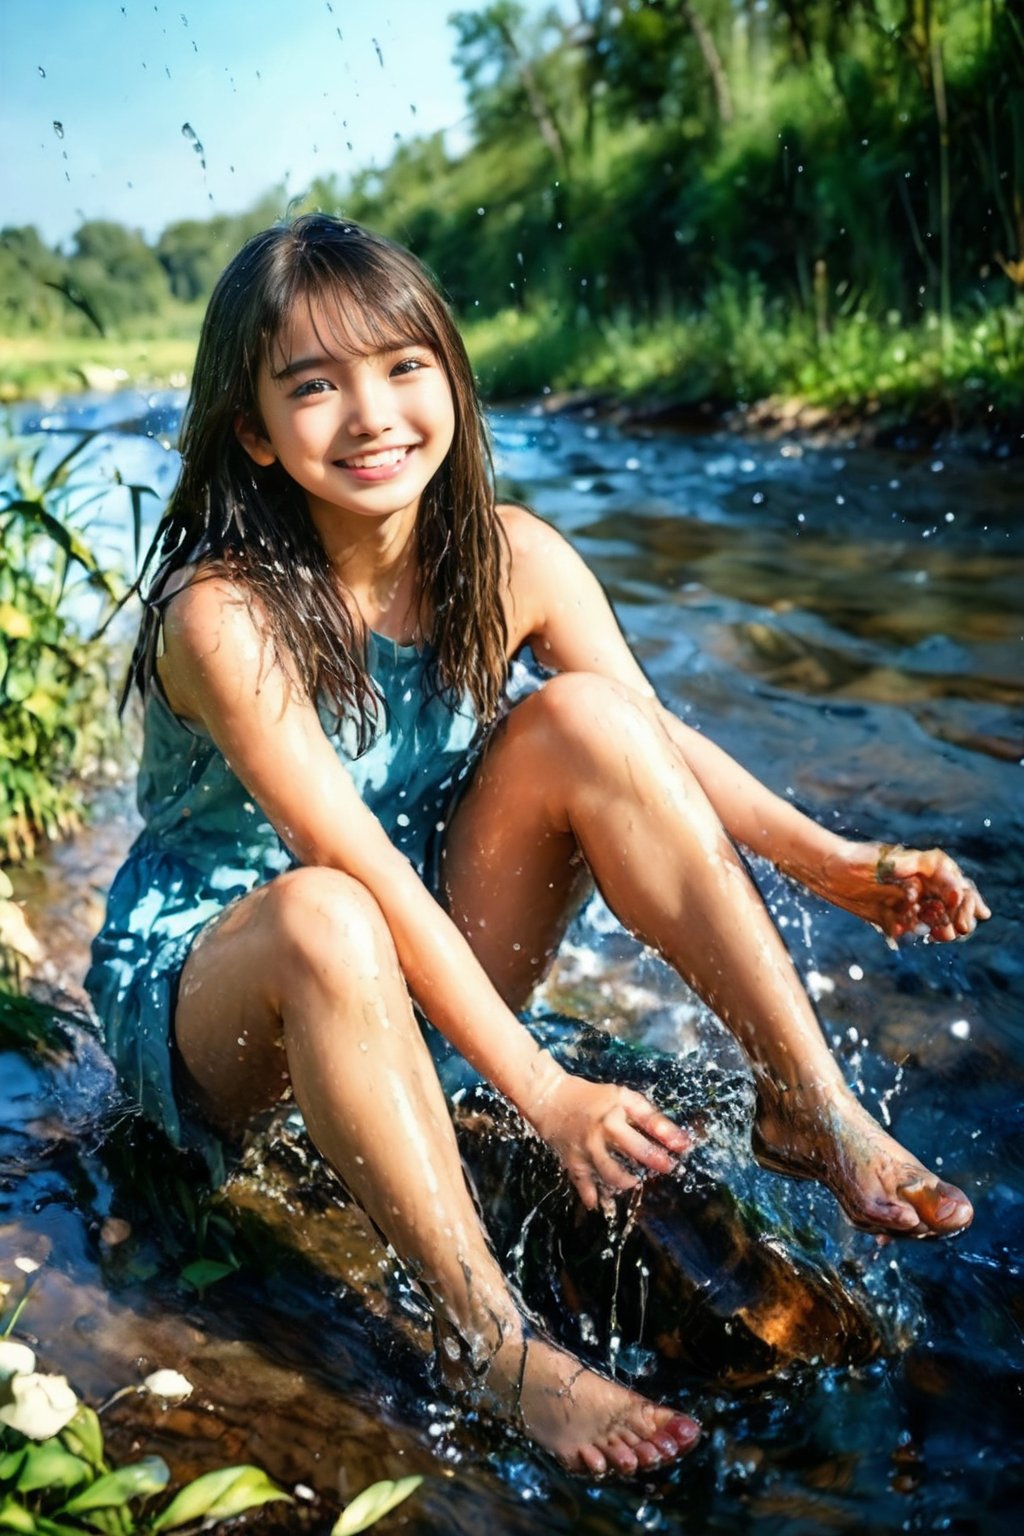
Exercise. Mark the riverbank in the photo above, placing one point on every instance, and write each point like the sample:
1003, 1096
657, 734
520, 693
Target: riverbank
752, 367
43, 366
740, 361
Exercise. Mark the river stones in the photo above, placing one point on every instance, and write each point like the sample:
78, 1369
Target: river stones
691, 1274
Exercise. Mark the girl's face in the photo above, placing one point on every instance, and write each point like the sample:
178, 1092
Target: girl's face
361, 433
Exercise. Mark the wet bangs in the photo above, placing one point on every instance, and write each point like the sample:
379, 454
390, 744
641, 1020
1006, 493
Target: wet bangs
357, 307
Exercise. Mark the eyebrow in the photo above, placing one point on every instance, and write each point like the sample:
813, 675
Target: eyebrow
325, 359
302, 365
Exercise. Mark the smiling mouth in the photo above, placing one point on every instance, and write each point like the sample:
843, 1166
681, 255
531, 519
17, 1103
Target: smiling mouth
386, 458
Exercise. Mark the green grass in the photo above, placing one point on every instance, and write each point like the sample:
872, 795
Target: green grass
42, 366
742, 349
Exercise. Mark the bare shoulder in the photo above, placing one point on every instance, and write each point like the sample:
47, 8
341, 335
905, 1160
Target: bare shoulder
213, 643
529, 536
202, 608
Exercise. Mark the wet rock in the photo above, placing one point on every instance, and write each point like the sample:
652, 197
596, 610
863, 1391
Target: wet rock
689, 1274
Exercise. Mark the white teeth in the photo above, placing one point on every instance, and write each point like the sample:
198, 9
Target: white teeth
377, 460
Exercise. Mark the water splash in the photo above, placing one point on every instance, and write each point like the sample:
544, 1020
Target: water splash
189, 133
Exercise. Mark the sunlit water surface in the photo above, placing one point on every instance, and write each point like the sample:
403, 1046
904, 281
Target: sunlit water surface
847, 623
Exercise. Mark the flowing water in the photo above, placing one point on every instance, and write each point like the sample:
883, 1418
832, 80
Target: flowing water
847, 623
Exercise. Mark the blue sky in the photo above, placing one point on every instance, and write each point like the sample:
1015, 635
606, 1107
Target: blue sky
271, 90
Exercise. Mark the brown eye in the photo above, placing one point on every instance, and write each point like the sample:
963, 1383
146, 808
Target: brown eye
311, 387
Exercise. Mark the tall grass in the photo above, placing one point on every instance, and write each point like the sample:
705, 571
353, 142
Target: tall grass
742, 346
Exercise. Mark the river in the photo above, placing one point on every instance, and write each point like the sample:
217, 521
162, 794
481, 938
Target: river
847, 622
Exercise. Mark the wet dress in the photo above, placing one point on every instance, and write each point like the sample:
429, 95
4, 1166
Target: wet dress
205, 843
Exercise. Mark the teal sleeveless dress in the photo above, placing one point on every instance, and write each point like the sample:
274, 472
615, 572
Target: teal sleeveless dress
205, 843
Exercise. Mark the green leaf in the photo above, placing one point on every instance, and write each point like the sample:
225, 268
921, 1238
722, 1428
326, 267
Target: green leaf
11, 1463
136, 492
205, 1272
373, 1504
141, 1478
14, 1517
216, 1495
83, 1436
49, 1466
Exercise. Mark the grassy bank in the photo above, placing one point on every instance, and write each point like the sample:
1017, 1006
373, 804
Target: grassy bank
739, 350
42, 365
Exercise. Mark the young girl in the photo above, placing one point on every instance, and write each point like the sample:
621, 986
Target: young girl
346, 818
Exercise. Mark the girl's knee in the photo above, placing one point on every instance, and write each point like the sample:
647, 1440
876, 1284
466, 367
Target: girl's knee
583, 713
325, 917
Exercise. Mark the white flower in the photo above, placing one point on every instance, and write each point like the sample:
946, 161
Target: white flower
170, 1385
38, 1406
15, 1359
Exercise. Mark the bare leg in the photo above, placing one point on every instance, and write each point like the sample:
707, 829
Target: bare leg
300, 982
586, 764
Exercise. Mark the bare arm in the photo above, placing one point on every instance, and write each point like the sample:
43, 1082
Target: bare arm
567, 619
217, 670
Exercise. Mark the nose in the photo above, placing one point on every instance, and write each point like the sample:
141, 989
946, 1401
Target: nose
368, 413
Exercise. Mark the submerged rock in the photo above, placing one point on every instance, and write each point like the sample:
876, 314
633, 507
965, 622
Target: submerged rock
692, 1273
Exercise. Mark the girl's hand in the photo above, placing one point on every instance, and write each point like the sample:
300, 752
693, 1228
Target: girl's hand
591, 1126
905, 890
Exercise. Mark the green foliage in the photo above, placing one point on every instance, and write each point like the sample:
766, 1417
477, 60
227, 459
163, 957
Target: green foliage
55, 1479
695, 164
373, 1504
743, 346
217, 1496
55, 692
49, 1488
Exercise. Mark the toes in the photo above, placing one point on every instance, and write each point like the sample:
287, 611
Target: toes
593, 1460
942, 1207
621, 1456
684, 1431
648, 1455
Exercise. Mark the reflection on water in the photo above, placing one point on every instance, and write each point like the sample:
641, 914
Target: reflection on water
847, 624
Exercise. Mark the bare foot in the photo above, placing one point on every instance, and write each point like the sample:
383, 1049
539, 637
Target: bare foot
879, 1184
902, 890
589, 1423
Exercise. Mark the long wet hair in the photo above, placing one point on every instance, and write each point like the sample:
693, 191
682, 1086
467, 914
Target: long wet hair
228, 516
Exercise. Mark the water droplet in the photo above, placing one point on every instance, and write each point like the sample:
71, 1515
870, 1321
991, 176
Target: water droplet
58, 129
42, 72
376, 48
856, 973
188, 132
960, 1029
